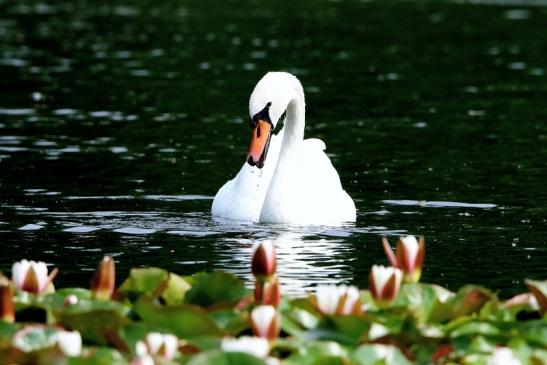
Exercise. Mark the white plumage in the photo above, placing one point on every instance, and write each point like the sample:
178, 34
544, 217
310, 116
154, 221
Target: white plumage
297, 184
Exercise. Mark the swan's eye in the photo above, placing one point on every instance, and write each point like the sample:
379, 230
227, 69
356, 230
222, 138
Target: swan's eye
269, 104
280, 123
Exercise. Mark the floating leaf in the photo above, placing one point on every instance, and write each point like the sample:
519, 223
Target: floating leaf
215, 288
99, 356
379, 355
96, 320
217, 357
309, 352
185, 321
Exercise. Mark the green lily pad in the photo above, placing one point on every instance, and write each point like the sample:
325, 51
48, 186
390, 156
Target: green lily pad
96, 320
379, 355
310, 352
185, 321
99, 356
215, 288
217, 357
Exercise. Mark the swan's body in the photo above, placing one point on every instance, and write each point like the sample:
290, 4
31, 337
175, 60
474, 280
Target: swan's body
297, 183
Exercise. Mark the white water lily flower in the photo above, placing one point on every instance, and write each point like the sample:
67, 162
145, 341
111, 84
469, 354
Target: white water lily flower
409, 256
351, 300
265, 321
503, 356
385, 282
160, 344
256, 346
332, 299
327, 297
31, 276
70, 343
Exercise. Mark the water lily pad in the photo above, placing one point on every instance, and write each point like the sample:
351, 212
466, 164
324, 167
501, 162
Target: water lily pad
215, 288
95, 320
185, 321
99, 356
217, 357
379, 355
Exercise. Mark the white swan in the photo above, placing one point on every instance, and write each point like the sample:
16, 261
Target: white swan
286, 179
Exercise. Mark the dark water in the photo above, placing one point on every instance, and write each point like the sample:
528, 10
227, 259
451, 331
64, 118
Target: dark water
118, 124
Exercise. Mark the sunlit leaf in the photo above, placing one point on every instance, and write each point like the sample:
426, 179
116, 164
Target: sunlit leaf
217, 357
185, 321
379, 355
215, 288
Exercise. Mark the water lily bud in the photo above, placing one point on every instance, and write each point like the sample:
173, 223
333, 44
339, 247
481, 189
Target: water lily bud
268, 292
263, 263
256, 346
162, 345
503, 356
539, 290
7, 308
343, 299
409, 256
265, 321
70, 343
103, 282
384, 283
32, 276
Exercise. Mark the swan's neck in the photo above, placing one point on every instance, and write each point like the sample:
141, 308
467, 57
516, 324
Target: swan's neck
295, 121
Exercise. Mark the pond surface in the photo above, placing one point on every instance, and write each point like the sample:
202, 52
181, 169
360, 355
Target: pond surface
118, 124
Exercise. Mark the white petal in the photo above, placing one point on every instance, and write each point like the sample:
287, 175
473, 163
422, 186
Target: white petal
262, 317
256, 346
352, 296
143, 360
19, 273
40, 268
328, 297
171, 344
140, 349
380, 275
411, 247
503, 356
70, 343
154, 340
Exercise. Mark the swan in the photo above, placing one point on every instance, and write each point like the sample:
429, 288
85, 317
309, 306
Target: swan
286, 178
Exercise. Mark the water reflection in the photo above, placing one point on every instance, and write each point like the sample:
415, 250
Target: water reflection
303, 260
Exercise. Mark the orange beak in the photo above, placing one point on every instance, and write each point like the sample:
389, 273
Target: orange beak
260, 141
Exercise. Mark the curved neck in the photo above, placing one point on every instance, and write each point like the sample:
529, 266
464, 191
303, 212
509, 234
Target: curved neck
295, 120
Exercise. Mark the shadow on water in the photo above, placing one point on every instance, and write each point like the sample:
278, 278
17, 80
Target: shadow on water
119, 123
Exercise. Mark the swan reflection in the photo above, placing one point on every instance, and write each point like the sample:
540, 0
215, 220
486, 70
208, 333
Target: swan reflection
302, 262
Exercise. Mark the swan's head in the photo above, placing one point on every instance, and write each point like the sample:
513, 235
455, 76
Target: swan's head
268, 102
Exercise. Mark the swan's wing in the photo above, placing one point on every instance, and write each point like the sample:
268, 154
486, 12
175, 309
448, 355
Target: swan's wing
307, 190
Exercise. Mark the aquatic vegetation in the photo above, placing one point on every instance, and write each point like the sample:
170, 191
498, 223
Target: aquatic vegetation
159, 317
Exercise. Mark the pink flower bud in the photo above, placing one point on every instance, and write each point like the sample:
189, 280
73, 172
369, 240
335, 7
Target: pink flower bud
265, 321
264, 263
7, 308
268, 292
32, 276
539, 290
409, 256
384, 283
104, 279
